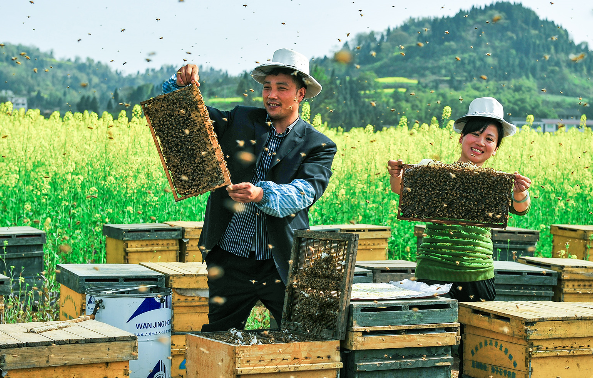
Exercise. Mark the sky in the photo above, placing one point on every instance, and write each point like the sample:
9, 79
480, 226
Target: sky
232, 35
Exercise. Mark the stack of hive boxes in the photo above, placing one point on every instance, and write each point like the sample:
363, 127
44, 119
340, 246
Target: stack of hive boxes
575, 277
189, 247
5, 290
406, 338
372, 242
527, 339
144, 242
572, 240
389, 270
189, 285
521, 282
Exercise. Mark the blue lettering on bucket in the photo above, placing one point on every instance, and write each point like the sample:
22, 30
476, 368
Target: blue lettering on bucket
158, 371
149, 304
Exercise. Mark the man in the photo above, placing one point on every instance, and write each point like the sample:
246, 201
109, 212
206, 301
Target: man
280, 166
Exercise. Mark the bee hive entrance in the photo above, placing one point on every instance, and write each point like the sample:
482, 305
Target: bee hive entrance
186, 142
458, 193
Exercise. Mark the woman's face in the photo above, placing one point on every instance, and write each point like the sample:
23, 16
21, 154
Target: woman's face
477, 147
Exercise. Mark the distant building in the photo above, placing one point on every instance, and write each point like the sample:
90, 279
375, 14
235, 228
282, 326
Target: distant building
18, 102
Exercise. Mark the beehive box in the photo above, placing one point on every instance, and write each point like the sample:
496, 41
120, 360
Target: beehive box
578, 238
507, 244
458, 193
527, 339
189, 285
66, 349
575, 277
189, 247
389, 270
144, 242
185, 140
4, 291
521, 282
314, 317
75, 279
372, 242
21, 251
405, 337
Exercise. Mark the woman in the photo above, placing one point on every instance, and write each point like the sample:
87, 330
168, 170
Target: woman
482, 130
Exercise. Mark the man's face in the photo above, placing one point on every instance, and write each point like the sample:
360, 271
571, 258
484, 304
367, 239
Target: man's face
281, 97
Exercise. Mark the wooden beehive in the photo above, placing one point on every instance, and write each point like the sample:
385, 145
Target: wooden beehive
185, 140
178, 355
66, 349
5, 289
143, 242
372, 239
189, 285
189, 247
362, 275
75, 279
575, 277
458, 193
521, 282
527, 339
407, 337
385, 271
315, 314
570, 239
21, 258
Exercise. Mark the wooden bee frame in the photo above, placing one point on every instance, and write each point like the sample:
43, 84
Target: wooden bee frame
320, 283
185, 140
453, 194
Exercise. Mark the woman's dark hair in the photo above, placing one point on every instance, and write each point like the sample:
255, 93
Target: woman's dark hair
473, 124
298, 80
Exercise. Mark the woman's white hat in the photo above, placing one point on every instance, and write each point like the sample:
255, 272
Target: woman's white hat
486, 107
289, 59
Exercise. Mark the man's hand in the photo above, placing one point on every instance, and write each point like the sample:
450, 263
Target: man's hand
187, 75
245, 192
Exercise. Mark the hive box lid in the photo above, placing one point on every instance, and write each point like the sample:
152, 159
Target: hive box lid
180, 275
142, 231
21, 235
511, 266
80, 277
394, 265
558, 263
529, 320
320, 283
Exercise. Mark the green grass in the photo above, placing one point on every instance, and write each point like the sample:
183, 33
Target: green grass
396, 80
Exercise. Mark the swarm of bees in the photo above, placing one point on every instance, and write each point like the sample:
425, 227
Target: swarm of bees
458, 193
185, 140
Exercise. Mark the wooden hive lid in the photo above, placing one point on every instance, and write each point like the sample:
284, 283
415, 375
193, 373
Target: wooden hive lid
57, 343
21, 235
142, 231
536, 320
556, 263
80, 277
321, 262
394, 265
180, 275
511, 266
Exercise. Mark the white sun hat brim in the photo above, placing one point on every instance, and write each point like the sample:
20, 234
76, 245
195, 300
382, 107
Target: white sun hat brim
285, 58
487, 107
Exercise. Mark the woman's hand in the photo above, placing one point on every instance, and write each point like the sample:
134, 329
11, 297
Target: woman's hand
521, 200
394, 167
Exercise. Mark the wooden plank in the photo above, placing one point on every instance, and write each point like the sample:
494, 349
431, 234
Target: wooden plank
289, 368
405, 327
189, 297
111, 332
382, 340
190, 229
19, 332
189, 318
188, 275
68, 354
114, 251
364, 255
402, 312
105, 370
208, 358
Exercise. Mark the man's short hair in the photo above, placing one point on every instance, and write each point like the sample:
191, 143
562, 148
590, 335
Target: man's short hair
296, 75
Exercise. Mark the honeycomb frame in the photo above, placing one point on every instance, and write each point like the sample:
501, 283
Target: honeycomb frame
440, 193
186, 143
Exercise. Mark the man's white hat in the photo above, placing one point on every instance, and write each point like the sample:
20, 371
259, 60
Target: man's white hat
289, 59
486, 107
